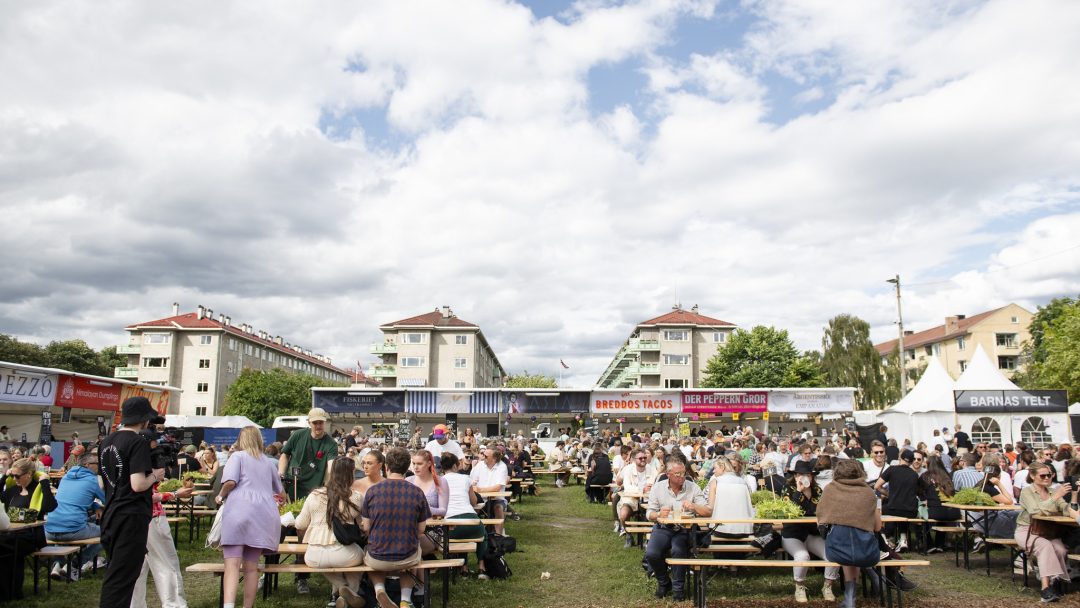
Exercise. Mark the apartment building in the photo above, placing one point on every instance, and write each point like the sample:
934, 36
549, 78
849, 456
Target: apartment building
670, 351
203, 356
435, 349
1001, 332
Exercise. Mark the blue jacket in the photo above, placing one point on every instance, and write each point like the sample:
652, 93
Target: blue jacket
74, 498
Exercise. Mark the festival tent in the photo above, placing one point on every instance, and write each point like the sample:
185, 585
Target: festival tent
208, 422
928, 406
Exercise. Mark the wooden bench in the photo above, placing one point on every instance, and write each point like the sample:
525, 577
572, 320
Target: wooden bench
1015, 550
80, 545
49, 553
698, 565
218, 569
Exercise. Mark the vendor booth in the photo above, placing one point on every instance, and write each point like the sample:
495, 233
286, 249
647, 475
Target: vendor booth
459, 409
927, 406
622, 410
820, 409
741, 407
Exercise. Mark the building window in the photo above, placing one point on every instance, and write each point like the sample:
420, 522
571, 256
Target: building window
459, 385
202, 387
229, 367
929, 350
204, 364
986, 430
412, 361
1007, 363
232, 344
961, 344
200, 411
461, 339
1014, 319
719, 337
412, 338
461, 363
676, 359
963, 365
156, 338
675, 383
676, 335
206, 340
1006, 340
1034, 432
911, 354
155, 362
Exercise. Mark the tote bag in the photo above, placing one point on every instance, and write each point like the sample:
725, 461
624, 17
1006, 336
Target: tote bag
213, 538
849, 546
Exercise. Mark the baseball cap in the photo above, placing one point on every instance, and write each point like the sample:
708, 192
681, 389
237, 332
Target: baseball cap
138, 409
439, 430
316, 414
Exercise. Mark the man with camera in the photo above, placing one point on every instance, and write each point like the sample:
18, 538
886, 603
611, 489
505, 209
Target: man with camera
129, 476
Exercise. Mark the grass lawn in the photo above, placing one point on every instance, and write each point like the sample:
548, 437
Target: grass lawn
562, 534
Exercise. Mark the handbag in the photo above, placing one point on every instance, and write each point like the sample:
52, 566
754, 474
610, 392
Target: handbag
348, 533
1046, 529
213, 538
850, 546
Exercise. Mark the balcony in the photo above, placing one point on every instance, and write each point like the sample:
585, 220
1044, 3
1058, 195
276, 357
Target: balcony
128, 349
383, 371
648, 368
641, 344
384, 348
125, 372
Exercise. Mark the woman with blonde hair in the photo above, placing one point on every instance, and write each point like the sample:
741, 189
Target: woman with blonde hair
338, 501
208, 461
372, 464
1037, 498
250, 525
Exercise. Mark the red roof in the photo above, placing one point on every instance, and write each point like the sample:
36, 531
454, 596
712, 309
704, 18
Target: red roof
434, 318
191, 320
934, 334
685, 317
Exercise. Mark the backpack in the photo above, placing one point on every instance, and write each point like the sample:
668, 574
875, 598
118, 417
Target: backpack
499, 545
496, 567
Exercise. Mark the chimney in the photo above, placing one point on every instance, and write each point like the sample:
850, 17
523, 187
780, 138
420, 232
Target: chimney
200, 311
909, 332
210, 313
278, 340
446, 313
952, 325
961, 317
228, 321
221, 317
175, 309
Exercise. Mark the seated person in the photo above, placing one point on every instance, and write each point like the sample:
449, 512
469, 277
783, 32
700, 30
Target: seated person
666, 495
78, 495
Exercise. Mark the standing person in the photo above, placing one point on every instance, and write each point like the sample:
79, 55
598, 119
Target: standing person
250, 526
963, 441
1038, 499
335, 502
848, 501
395, 514
902, 498
441, 443
302, 467
78, 494
129, 477
664, 497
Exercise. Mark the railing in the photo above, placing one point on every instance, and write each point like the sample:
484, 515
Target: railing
383, 371
383, 348
128, 349
125, 372
640, 344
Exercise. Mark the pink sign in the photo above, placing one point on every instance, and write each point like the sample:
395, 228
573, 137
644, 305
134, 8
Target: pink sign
724, 402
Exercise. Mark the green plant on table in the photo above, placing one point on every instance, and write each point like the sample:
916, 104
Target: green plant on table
972, 497
170, 485
760, 496
293, 507
778, 508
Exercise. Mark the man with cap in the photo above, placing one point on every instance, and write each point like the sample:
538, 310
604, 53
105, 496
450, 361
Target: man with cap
129, 477
442, 444
304, 465
900, 484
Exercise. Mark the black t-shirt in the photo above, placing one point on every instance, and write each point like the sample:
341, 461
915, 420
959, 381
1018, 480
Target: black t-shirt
190, 463
962, 440
892, 453
121, 455
903, 488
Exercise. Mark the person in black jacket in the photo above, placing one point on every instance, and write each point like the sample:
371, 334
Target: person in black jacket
599, 474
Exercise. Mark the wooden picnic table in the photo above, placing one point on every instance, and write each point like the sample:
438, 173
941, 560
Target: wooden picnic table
449, 523
502, 494
708, 521
16, 526
1057, 519
977, 514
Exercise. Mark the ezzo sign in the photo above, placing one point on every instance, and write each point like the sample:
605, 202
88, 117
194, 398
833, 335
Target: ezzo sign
30, 389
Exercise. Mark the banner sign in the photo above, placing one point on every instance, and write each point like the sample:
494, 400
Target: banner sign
159, 399
812, 401
547, 402
975, 402
223, 438
721, 402
359, 402
453, 402
88, 394
27, 389
625, 402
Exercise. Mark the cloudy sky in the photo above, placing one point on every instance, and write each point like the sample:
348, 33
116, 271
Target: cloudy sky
554, 171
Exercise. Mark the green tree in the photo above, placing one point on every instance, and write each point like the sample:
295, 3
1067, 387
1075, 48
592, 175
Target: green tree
74, 355
849, 359
761, 357
527, 380
109, 360
265, 395
13, 350
1060, 345
1033, 351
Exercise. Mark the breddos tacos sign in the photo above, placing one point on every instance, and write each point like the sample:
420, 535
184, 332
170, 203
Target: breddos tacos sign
615, 402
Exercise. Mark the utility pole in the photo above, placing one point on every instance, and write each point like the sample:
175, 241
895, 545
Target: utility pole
900, 342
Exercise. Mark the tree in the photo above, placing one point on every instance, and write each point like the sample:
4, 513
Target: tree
1060, 346
849, 359
1033, 351
75, 355
761, 357
265, 395
110, 360
527, 380
26, 353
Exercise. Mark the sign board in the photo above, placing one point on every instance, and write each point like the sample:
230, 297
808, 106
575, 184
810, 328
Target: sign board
102, 428
812, 401
724, 402
27, 389
624, 402
404, 430
88, 394
547, 402
976, 402
359, 402
223, 438
46, 427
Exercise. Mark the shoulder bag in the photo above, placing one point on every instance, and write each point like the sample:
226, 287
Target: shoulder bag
348, 533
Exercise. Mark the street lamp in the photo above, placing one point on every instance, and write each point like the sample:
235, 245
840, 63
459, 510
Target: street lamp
900, 343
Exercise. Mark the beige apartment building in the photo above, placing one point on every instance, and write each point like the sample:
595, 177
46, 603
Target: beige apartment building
670, 351
1001, 332
436, 349
203, 356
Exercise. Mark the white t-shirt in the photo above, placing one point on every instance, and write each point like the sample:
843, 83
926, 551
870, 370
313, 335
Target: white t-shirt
451, 447
460, 485
1020, 482
632, 480
486, 477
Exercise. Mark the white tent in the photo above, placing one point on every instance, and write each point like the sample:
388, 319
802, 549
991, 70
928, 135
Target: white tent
982, 375
930, 405
212, 422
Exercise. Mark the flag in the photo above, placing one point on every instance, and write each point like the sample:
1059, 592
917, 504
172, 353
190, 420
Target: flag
563, 363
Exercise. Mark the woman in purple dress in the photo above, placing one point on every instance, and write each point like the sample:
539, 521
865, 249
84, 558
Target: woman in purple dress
250, 524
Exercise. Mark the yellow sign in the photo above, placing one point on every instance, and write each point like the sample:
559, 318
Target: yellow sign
735, 416
764, 415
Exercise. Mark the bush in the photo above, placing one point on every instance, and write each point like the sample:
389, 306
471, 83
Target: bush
971, 496
778, 508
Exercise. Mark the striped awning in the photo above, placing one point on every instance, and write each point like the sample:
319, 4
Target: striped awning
412, 382
453, 402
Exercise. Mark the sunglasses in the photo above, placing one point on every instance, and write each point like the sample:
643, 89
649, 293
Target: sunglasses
877, 452
1044, 476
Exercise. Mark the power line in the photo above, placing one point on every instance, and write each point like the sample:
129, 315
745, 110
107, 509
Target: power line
1002, 268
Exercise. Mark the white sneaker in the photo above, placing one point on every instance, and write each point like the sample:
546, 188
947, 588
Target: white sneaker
102, 562
74, 574
57, 573
901, 546
262, 580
